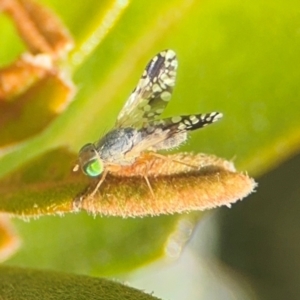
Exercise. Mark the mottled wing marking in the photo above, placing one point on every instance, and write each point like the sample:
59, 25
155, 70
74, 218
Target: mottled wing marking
171, 132
153, 92
177, 127
184, 123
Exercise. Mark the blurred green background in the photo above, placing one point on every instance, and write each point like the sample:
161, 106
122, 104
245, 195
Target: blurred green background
237, 57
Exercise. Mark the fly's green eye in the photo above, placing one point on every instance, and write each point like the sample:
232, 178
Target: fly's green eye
94, 168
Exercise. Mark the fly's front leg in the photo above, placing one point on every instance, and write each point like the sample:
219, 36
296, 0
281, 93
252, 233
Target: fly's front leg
140, 168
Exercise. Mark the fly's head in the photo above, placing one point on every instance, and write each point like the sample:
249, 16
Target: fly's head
89, 161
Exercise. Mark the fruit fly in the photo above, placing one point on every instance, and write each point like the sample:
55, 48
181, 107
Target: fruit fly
139, 128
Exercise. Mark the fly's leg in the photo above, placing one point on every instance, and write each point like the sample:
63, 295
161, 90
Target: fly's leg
87, 192
149, 186
92, 194
161, 156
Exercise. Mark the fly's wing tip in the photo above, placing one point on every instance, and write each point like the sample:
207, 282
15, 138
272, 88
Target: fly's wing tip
217, 116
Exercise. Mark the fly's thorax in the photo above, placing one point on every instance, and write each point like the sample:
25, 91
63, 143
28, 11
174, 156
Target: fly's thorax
112, 148
89, 160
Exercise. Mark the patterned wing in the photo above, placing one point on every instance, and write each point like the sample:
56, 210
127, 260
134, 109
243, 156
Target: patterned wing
176, 128
171, 132
153, 92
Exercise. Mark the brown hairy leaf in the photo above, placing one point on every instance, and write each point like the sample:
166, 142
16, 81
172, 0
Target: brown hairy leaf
33, 85
181, 182
9, 241
40, 29
47, 40
16, 78
27, 71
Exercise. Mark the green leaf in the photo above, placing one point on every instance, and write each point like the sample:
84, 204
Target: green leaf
17, 283
239, 58
98, 246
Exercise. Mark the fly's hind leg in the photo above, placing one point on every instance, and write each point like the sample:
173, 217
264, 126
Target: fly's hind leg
171, 143
139, 168
164, 157
149, 186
